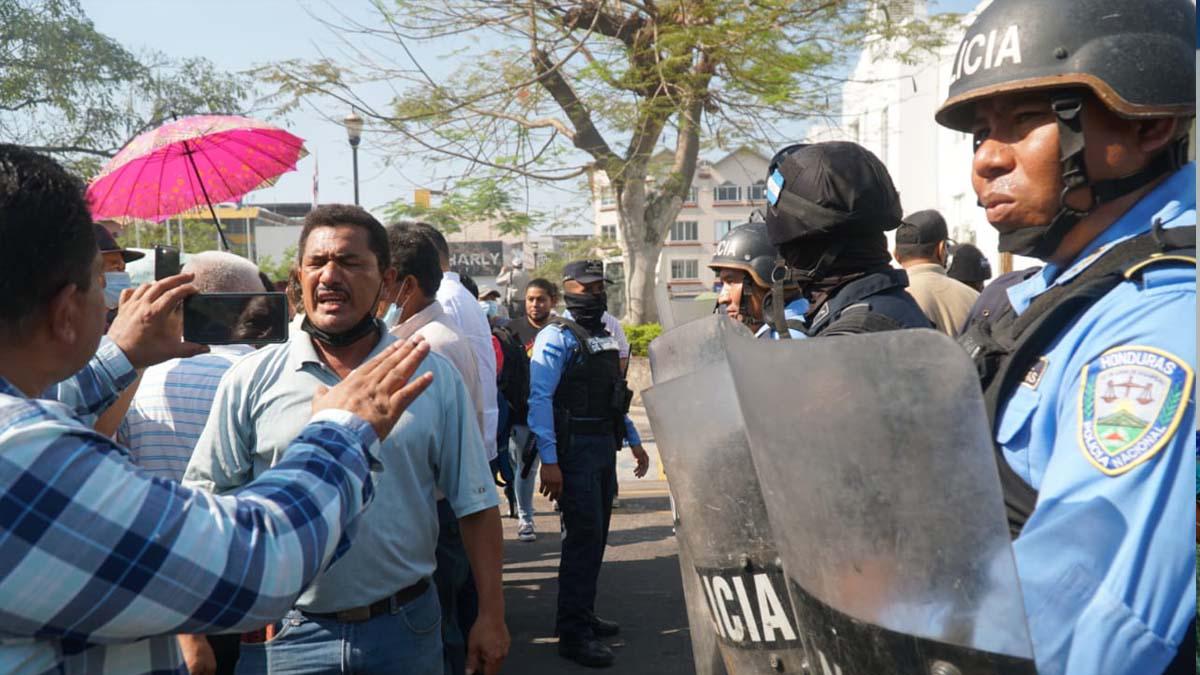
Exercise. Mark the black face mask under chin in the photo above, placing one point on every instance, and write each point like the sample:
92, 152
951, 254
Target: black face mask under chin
586, 308
348, 337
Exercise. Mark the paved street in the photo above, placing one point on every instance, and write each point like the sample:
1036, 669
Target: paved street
639, 584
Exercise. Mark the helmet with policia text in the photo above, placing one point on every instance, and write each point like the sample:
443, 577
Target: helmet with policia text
747, 248
1136, 58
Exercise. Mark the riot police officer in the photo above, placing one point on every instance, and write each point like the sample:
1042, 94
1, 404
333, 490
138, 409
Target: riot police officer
743, 261
1080, 112
829, 205
577, 410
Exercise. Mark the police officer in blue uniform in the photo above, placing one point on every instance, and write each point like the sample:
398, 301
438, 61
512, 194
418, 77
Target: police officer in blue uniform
829, 205
577, 410
743, 261
1080, 112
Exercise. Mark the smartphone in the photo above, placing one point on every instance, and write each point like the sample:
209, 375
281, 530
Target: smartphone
235, 318
166, 261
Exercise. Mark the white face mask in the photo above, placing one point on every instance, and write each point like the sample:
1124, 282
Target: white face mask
391, 318
114, 283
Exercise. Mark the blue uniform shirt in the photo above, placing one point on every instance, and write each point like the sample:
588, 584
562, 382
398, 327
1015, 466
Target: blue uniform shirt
793, 311
554, 348
1102, 428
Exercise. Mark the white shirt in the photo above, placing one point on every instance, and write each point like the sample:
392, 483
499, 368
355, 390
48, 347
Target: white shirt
464, 310
443, 337
613, 326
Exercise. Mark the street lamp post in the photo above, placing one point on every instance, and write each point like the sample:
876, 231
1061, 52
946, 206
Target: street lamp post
354, 127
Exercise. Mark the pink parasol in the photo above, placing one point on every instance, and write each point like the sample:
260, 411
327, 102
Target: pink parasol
192, 161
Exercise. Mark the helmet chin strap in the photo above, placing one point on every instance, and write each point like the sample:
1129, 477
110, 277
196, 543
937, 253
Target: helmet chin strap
1042, 242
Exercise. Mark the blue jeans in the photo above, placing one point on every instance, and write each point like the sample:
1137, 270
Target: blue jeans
409, 640
523, 486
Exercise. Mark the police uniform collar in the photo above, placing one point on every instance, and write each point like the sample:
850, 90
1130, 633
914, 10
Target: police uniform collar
854, 292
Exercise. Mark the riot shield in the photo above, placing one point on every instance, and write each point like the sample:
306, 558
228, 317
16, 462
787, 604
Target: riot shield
877, 470
741, 620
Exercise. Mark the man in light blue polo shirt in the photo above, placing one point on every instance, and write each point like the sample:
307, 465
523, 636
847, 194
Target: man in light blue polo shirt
375, 609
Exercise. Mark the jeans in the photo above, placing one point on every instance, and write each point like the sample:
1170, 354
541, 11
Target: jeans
408, 640
588, 486
524, 486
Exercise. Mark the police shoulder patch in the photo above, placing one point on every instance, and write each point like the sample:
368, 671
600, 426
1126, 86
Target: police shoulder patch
1130, 405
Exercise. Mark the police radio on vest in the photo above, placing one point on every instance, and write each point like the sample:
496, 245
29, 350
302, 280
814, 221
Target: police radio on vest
984, 51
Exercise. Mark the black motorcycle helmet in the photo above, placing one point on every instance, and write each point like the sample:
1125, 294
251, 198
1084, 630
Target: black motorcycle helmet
827, 199
1137, 58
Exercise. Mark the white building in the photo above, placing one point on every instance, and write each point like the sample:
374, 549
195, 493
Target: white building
888, 107
723, 195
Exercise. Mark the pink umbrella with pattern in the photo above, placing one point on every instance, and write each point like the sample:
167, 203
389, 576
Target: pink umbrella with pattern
191, 161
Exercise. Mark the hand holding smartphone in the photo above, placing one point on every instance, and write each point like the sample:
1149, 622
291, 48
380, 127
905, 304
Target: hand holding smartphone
235, 318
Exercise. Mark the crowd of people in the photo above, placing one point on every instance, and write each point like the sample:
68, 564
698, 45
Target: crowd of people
330, 503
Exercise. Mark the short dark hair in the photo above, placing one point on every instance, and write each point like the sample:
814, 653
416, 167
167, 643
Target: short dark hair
911, 251
333, 215
549, 287
469, 284
414, 253
47, 240
435, 235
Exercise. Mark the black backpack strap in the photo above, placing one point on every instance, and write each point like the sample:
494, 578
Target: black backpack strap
858, 319
1046, 318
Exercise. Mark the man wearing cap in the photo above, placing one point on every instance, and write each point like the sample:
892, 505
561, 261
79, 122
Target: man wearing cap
923, 248
1080, 118
577, 405
116, 279
970, 266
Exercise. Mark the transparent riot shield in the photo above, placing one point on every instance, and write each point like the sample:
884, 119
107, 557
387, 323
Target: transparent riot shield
877, 470
740, 617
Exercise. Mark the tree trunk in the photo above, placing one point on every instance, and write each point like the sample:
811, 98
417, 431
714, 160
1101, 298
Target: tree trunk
640, 282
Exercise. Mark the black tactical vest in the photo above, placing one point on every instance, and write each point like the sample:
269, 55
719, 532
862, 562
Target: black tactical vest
592, 397
1006, 347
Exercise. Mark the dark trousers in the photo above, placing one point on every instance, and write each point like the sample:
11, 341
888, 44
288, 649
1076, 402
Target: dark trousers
589, 482
456, 590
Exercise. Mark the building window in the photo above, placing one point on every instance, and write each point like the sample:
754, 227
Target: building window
758, 191
685, 269
693, 196
723, 227
684, 230
607, 198
727, 192
608, 231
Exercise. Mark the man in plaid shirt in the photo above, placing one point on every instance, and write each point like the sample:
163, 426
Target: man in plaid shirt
101, 564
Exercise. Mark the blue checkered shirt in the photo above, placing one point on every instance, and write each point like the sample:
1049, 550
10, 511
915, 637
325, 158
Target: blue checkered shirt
102, 564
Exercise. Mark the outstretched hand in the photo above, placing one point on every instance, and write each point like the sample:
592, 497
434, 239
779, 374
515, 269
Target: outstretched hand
379, 391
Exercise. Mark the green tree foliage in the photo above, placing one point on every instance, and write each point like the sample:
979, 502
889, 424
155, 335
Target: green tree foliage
641, 336
471, 200
550, 91
278, 270
71, 91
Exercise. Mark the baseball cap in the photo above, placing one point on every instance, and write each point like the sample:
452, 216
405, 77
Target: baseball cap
108, 244
585, 271
923, 227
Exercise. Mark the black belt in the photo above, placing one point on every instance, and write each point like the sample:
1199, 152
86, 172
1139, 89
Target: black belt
377, 608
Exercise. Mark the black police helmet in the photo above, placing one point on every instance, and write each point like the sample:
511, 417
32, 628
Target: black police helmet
836, 188
1138, 58
969, 265
747, 248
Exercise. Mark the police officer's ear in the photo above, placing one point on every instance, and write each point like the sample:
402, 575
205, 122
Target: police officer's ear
1155, 134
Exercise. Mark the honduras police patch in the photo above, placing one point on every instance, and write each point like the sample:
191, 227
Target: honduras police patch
1131, 403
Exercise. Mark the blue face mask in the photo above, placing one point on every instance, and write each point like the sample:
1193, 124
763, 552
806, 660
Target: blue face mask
490, 307
114, 283
391, 318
